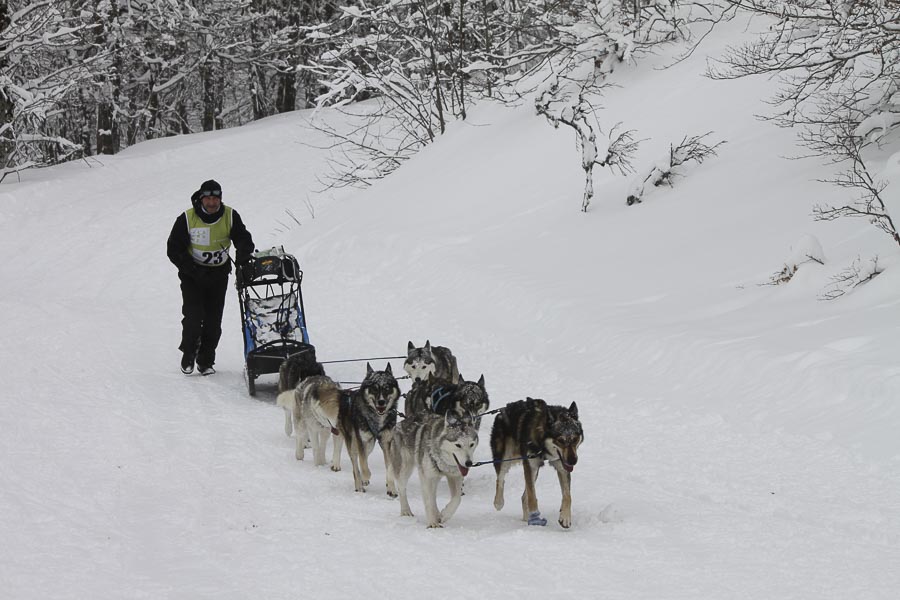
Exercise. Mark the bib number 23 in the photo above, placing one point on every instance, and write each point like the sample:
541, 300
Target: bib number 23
213, 258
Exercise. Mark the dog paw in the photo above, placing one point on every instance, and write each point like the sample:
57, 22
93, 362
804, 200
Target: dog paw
335, 469
392, 494
535, 518
565, 522
498, 503
406, 513
435, 526
298, 456
365, 482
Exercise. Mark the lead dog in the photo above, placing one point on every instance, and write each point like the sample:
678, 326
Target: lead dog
368, 415
534, 431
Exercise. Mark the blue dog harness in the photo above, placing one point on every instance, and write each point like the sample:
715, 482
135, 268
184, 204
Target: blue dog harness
438, 396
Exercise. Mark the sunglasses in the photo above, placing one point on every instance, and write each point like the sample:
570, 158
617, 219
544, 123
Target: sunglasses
216, 193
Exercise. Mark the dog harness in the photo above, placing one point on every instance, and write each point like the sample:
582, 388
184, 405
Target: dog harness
438, 396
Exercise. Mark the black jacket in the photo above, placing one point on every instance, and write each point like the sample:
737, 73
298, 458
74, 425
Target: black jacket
179, 243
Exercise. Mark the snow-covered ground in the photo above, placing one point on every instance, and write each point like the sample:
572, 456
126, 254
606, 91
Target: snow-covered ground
741, 440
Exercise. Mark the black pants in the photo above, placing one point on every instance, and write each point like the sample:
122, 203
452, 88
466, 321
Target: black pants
202, 304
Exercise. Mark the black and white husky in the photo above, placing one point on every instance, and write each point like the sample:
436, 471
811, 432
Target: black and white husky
430, 362
368, 415
441, 446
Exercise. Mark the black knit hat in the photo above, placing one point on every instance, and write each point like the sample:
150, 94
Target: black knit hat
207, 186
210, 186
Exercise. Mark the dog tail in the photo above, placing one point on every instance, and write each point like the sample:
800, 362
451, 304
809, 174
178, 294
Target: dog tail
288, 401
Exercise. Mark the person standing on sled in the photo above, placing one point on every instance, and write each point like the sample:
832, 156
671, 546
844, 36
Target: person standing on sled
198, 245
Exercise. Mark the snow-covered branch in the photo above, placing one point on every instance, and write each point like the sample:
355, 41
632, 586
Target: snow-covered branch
858, 273
665, 170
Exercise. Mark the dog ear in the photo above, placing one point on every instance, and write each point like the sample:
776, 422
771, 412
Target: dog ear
450, 419
461, 378
428, 345
409, 347
388, 369
369, 369
573, 410
481, 381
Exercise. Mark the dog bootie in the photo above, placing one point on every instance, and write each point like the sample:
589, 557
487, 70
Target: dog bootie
207, 370
187, 364
536, 519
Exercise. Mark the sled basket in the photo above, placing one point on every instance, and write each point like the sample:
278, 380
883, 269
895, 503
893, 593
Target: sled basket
273, 320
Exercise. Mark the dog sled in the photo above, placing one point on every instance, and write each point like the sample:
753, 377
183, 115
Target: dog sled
273, 319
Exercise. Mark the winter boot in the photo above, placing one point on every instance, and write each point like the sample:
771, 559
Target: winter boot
187, 364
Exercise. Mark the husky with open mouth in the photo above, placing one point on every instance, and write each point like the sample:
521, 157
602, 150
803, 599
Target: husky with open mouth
534, 431
368, 415
441, 446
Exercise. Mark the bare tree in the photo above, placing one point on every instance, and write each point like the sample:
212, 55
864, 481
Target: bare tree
580, 59
869, 203
839, 62
857, 274
838, 59
428, 61
35, 85
664, 171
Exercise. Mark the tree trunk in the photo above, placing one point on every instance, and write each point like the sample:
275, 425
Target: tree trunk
211, 99
459, 73
438, 96
287, 92
107, 140
182, 115
6, 106
105, 125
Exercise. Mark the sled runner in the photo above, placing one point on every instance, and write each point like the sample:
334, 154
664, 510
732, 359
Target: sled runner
272, 316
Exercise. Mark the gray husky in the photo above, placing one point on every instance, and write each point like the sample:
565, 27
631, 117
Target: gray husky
312, 409
430, 362
534, 431
464, 398
368, 415
441, 446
